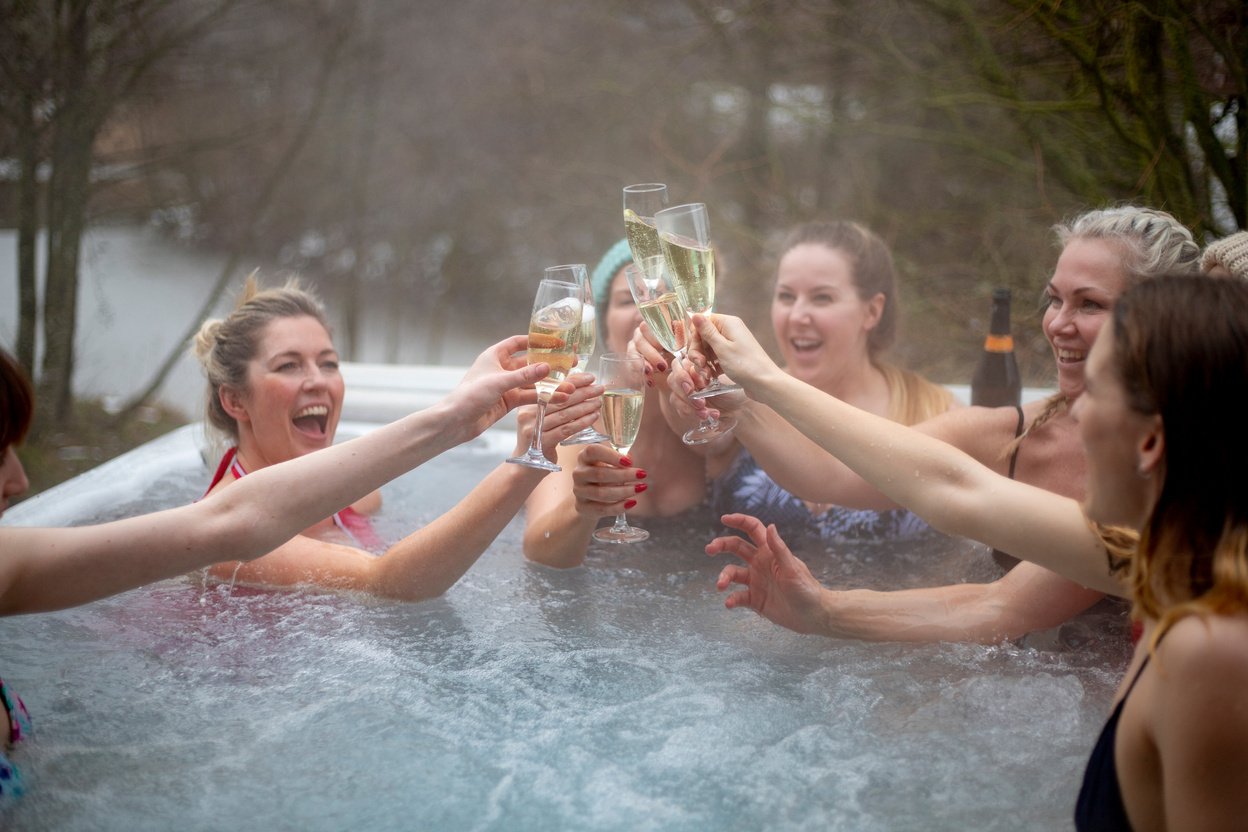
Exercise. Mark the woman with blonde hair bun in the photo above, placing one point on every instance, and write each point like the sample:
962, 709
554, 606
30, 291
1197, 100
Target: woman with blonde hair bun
275, 391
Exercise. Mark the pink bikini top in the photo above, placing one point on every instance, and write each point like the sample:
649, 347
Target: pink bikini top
357, 526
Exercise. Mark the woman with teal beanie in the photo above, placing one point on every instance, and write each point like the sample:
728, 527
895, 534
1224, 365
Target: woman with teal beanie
661, 476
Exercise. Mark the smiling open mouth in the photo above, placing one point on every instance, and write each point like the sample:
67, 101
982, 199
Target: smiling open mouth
1071, 356
805, 344
313, 420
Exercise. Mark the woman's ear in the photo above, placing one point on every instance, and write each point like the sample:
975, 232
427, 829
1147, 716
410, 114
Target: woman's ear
875, 311
1151, 452
232, 401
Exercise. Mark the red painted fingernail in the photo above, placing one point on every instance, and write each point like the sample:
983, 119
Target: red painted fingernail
641, 473
626, 462
662, 367
640, 487
630, 504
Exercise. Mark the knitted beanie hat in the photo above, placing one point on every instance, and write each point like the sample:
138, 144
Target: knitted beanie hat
1231, 253
616, 258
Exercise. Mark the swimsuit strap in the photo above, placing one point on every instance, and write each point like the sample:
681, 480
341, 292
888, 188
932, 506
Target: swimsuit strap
222, 467
1018, 431
15, 710
357, 526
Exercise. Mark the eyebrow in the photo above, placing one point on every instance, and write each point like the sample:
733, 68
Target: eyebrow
831, 287
1080, 290
297, 354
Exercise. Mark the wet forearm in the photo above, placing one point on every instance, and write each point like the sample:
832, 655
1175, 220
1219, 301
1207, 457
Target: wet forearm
963, 612
428, 562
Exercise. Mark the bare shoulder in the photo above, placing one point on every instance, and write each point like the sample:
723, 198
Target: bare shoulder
1207, 647
982, 432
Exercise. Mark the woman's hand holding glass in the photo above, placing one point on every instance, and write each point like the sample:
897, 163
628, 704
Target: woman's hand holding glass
554, 327
623, 379
604, 482
573, 407
724, 341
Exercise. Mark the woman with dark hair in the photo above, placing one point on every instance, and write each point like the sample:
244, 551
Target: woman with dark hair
1165, 522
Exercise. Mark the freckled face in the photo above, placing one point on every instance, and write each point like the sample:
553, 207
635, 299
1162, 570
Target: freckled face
294, 396
1087, 280
12, 477
821, 323
623, 318
1111, 433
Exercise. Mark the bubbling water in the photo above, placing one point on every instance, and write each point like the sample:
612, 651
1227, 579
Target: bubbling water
621, 695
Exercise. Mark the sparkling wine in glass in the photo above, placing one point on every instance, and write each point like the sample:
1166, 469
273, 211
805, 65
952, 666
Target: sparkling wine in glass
623, 375
641, 203
660, 307
587, 338
685, 238
663, 310
553, 329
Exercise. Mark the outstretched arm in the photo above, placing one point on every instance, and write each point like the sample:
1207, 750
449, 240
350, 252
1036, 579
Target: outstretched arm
778, 586
427, 562
46, 569
945, 486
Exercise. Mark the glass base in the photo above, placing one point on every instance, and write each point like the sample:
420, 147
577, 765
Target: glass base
714, 389
531, 460
615, 534
709, 430
589, 436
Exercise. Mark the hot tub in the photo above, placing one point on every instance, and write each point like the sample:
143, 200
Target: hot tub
616, 696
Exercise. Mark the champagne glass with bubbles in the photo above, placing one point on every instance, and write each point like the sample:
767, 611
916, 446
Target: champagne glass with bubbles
587, 338
685, 238
641, 203
553, 330
623, 375
662, 309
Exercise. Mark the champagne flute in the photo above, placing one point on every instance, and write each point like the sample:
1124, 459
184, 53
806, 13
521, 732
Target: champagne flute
662, 309
641, 203
553, 329
587, 339
624, 377
685, 238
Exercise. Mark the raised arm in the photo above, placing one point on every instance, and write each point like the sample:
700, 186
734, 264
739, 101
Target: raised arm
427, 562
46, 569
942, 484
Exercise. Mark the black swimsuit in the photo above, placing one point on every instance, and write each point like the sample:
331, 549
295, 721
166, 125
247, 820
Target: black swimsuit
1005, 560
1100, 799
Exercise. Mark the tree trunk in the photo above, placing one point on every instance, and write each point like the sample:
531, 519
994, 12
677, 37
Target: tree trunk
67, 209
27, 233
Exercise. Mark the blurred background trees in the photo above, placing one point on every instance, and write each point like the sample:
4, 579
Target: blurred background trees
433, 157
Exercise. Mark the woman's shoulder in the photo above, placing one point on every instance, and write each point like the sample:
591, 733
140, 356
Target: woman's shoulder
1208, 645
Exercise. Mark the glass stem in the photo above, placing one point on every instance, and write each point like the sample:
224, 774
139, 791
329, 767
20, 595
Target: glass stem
535, 445
621, 523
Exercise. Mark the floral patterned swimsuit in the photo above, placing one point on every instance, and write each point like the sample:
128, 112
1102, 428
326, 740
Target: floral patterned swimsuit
748, 489
19, 729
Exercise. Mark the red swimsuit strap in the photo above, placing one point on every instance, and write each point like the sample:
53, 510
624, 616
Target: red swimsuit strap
356, 525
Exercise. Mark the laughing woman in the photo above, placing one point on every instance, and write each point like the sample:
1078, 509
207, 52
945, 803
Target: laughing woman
1160, 420
1103, 251
275, 391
